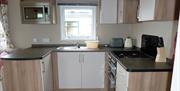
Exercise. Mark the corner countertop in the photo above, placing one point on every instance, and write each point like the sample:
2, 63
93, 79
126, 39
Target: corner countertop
27, 54
144, 65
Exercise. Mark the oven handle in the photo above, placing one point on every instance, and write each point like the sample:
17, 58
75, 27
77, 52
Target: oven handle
111, 79
112, 67
110, 58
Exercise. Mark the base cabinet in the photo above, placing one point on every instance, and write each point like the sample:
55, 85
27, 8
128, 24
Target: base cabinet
81, 70
28, 75
141, 81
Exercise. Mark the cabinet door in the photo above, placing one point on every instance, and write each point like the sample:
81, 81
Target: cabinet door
108, 11
69, 70
47, 73
121, 79
23, 75
93, 70
146, 10
127, 11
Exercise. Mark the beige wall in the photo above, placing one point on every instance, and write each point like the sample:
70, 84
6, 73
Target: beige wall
166, 29
23, 34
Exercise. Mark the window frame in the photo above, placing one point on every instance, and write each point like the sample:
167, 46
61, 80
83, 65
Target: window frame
62, 22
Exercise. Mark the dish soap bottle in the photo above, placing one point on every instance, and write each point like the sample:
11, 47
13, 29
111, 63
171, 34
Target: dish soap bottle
161, 54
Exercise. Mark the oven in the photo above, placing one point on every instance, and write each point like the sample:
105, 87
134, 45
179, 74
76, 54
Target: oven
110, 72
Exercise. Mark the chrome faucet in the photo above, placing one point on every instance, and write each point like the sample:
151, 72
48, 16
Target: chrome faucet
77, 45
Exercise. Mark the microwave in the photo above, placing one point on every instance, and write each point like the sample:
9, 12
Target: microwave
37, 13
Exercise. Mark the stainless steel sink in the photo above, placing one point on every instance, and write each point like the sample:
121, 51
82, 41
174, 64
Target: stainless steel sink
72, 48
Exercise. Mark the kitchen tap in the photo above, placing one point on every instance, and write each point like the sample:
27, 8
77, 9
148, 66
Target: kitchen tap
77, 45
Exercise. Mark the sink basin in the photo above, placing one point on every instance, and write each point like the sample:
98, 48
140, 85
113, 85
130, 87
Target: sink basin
72, 48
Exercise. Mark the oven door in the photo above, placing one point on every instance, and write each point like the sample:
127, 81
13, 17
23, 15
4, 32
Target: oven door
112, 82
110, 74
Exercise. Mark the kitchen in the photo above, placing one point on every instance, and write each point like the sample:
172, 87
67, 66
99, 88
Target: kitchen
105, 32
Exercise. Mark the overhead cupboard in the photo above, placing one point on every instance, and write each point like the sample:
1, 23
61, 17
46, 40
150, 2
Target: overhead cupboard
133, 11
118, 11
158, 10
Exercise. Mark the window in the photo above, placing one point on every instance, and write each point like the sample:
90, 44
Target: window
78, 22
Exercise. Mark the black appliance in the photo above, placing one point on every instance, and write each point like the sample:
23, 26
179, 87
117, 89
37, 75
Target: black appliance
110, 72
149, 44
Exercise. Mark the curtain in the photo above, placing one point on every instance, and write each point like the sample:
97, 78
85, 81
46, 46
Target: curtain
5, 42
175, 86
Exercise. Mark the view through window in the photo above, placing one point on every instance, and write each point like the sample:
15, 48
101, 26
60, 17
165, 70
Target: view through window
78, 22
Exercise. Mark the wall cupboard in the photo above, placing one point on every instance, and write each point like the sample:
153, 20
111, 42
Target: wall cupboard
132, 11
159, 10
118, 11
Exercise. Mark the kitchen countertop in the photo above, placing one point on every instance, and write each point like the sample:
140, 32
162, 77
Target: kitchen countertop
144, 65
39, 52
27, 54
130, 64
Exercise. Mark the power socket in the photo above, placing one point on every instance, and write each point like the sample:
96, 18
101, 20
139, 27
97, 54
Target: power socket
45, 40
34, 40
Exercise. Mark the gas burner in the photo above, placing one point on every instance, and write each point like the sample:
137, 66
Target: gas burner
130, 54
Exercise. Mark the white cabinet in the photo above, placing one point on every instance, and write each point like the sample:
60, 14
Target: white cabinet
81, 70
46, 65
93, 70
121, 79
108, 13
69, 70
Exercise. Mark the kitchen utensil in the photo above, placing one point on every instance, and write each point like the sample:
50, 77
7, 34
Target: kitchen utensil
128, 43
92, 44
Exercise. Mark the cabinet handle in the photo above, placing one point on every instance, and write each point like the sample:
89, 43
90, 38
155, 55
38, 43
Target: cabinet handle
43, 67
81, 58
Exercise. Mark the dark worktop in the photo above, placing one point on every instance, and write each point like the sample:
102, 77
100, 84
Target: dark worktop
130, 64
144, 65
27, 54
41, 51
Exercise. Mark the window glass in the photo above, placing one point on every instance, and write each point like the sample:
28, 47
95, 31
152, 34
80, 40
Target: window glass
78, 22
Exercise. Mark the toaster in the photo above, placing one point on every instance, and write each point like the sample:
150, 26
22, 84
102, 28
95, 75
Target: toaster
117, 42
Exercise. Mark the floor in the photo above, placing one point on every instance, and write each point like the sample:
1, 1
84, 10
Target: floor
82, 90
